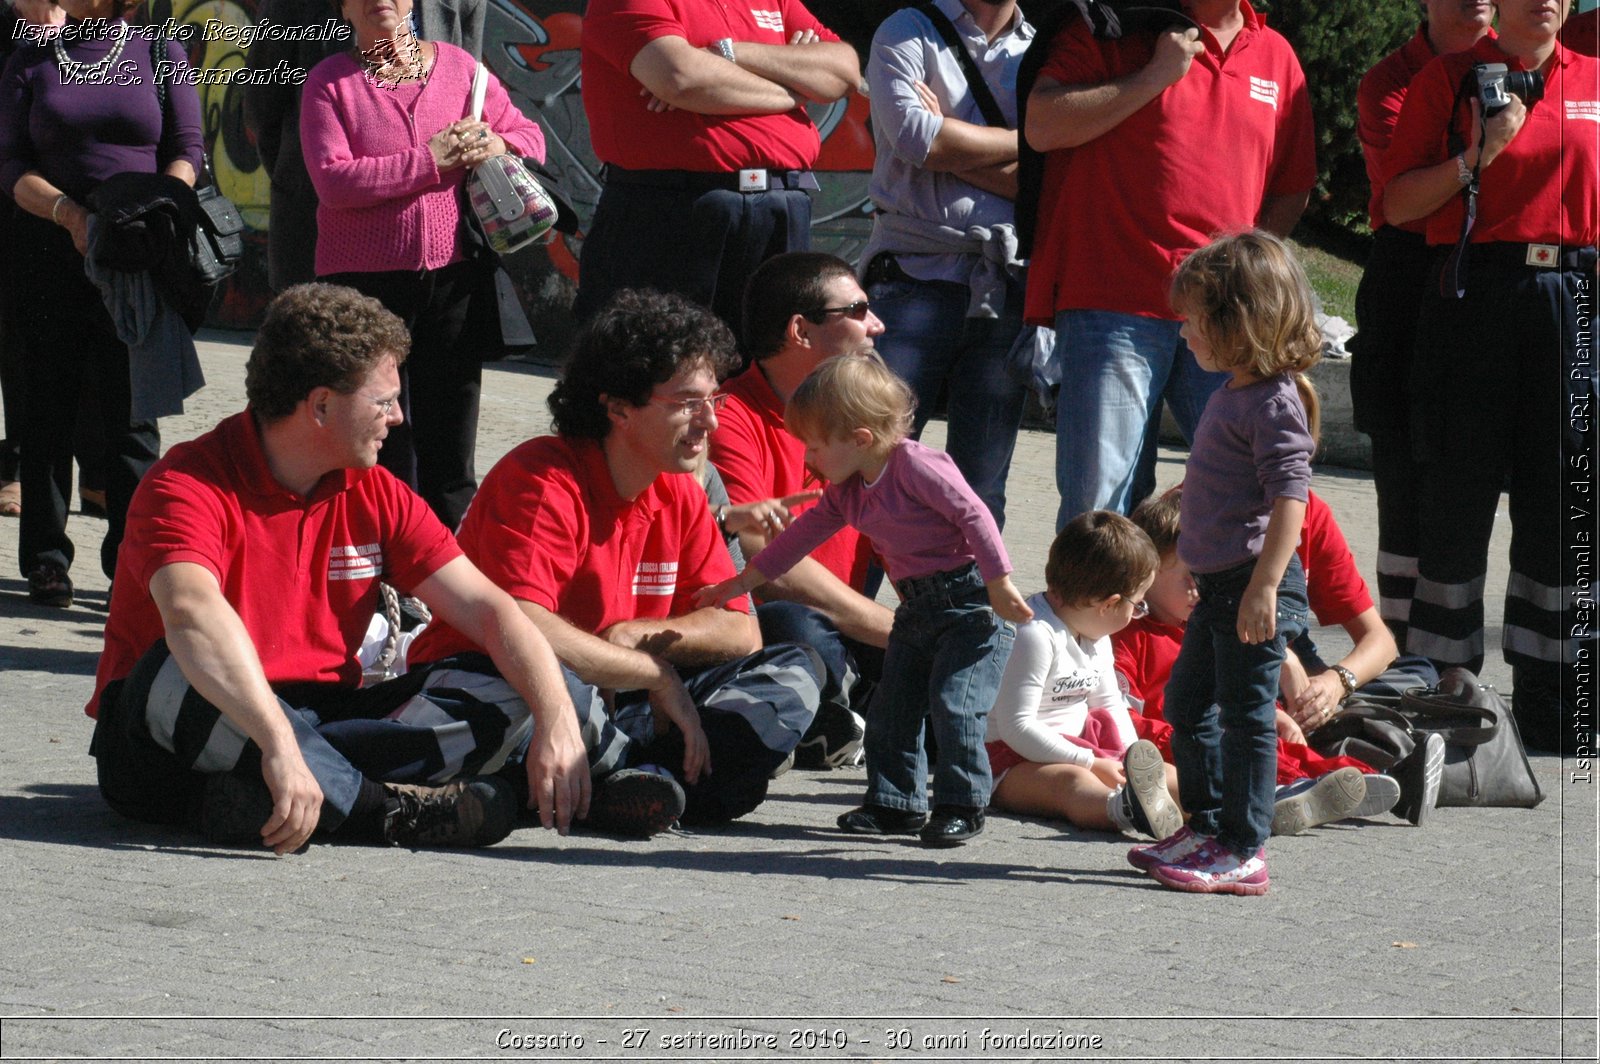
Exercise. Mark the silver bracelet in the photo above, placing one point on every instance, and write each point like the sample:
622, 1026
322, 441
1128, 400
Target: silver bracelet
55, 208
1463, 171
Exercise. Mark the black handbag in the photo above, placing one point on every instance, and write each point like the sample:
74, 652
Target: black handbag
1484, 762
217, 244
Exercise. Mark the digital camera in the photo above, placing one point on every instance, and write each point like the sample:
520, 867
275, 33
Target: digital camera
1497, 83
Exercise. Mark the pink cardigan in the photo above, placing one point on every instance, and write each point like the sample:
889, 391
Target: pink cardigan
384, 204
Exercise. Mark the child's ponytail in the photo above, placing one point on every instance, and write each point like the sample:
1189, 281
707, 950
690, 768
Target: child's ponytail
1313, 405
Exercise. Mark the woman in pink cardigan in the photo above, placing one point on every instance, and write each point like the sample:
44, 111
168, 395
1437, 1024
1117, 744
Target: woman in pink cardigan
387, 147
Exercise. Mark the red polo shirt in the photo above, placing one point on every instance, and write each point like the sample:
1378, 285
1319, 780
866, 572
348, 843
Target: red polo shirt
1117, 214
548, 526
624, 131
302, 572
1545, 187
1334, 585
759, 459
1378, 101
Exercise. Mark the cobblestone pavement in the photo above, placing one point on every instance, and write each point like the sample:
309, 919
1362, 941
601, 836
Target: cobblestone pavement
777, 937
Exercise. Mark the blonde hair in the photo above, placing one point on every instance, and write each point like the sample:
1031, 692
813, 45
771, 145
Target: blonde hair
1247, 295
849, 392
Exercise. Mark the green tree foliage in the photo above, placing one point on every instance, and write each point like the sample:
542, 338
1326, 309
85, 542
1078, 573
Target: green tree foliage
1337, 43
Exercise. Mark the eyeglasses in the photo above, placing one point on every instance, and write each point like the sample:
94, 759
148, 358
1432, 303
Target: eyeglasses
694, 407
383, 405
1141, 609
857, 310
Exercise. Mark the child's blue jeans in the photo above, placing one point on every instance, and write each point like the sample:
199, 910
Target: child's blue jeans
1222, 702
946, 653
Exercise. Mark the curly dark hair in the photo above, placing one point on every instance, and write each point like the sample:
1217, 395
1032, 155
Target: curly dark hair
1097, 555
783, 286
318, 336
640, 339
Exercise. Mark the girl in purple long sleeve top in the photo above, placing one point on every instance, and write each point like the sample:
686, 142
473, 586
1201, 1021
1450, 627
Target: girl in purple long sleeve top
1248, 312
942, 550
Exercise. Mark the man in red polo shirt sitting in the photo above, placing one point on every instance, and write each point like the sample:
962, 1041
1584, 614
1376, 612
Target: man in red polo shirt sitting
697, 110
229, 692
602, 536
800, 309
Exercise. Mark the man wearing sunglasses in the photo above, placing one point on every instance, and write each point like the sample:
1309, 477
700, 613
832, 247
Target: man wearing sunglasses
602, 536
801, 309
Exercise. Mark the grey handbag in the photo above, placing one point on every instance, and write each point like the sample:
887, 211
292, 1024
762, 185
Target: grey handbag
1484, 762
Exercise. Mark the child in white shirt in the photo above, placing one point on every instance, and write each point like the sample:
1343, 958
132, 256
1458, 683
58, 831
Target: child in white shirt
1060, 741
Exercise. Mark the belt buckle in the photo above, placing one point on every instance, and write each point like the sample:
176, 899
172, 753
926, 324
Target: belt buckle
1543, 255
752, 180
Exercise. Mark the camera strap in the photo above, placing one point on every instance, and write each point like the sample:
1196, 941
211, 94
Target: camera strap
1453, 278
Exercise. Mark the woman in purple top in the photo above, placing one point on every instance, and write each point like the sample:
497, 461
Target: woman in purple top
941, 548
75, 110
388, 148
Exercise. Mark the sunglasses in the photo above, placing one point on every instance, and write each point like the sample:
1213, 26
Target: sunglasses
857, 310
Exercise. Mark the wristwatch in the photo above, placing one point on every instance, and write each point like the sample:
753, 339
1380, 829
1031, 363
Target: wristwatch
724, 47
1347, 680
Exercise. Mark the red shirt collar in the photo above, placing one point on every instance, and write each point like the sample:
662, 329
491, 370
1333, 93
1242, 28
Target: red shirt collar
241, 437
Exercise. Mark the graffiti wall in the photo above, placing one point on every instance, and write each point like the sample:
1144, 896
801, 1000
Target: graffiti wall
532, 46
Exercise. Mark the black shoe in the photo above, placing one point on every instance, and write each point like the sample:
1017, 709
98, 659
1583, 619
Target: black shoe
49, 585
235, 808
951, 825
833, 740
635, 803
476, 812
1419, 776
881, 820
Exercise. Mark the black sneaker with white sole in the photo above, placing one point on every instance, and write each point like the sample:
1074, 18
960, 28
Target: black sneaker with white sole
1419, 776
833, 740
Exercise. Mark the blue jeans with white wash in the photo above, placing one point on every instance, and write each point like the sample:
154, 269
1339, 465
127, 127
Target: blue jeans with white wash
1222, 704
1116, 369
946, 653
929, 340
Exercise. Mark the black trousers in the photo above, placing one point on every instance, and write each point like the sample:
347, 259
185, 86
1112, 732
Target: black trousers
1388, 302
701, 245
72, 361
454, 322
1503, 391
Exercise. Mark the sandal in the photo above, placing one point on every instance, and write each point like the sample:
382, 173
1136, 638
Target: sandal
49, 585
10, 499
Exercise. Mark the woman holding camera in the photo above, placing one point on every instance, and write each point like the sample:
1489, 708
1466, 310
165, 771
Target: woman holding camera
1498, 149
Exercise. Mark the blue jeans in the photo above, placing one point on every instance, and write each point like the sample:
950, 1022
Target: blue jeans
946, 653
929, 340
1116, 369
849, 668
1221, 703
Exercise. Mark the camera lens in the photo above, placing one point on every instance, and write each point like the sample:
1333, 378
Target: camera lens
1526, 84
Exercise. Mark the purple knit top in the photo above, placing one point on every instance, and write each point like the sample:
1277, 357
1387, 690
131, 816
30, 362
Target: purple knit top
77, 135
